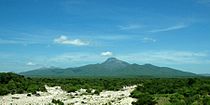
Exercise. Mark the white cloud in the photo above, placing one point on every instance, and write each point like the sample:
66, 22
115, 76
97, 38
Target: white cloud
147, 39
75, 59
153, 57
168, 57
65, 40
30, 64
171, 28
107, 53
130, 27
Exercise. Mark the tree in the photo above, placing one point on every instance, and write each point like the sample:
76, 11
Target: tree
144, 99
177, 99
206, 100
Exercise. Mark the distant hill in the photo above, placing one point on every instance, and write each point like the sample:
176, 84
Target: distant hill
206, 75
110, 67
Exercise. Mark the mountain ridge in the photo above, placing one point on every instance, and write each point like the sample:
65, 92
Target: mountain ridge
110, 67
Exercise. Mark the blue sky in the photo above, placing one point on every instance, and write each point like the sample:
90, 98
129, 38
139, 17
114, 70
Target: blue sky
71, 33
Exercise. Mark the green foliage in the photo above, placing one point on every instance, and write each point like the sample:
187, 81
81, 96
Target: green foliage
5, 78
3, 90
13, 83
182, 91
177, 99
57, 102
179, 91
97, 92
143, 99
88, 90
70, 88
206, 100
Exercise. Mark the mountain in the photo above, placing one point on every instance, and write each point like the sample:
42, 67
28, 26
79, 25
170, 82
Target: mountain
206, 75
111, 67
114, 63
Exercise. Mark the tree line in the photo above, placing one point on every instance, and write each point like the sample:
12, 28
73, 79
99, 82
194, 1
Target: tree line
150, 91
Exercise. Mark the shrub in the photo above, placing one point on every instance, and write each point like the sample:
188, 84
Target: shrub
97, 92
57, 102
144, 99
29, 95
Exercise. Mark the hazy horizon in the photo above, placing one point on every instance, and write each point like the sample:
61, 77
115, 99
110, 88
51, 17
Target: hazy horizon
72, 33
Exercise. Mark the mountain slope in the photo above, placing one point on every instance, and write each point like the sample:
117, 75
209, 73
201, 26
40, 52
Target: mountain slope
110, 67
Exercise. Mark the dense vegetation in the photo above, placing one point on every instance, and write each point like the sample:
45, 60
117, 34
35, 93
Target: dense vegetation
13, 83
179, 91
150, 91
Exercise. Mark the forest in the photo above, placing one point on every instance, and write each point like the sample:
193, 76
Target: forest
149, 91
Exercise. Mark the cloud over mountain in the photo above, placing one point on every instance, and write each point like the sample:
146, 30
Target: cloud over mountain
30, 64
107, 53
